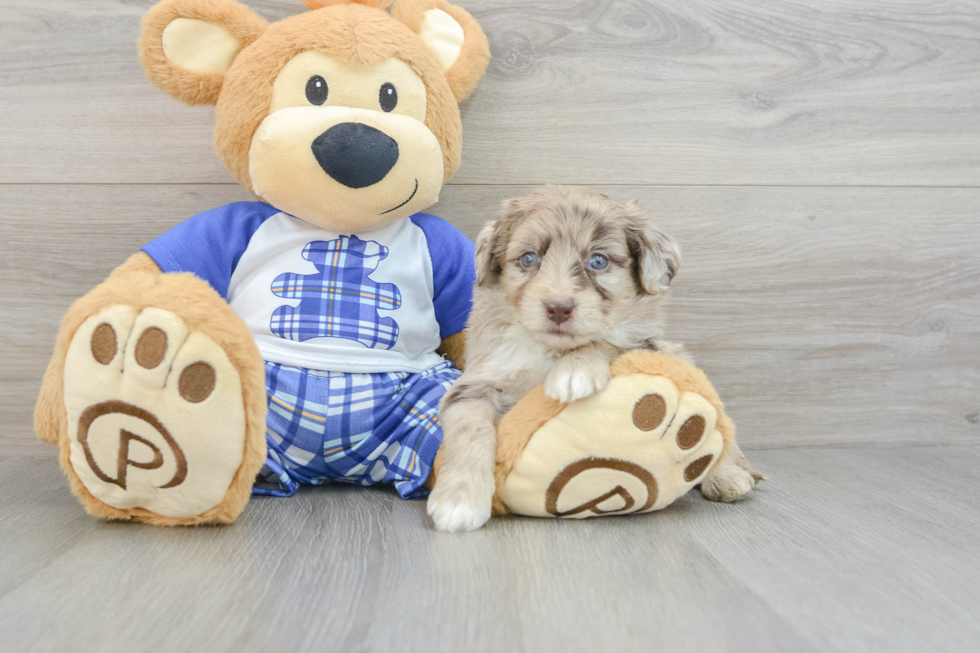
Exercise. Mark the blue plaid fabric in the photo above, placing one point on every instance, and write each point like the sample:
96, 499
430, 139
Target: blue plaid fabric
354, 428
340, 301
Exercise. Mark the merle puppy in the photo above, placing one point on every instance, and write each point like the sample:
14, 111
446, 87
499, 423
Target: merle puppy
567, 281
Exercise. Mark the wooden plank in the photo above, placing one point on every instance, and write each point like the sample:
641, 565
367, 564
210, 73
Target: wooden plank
841, 550
83, 232
842, 92
824, 316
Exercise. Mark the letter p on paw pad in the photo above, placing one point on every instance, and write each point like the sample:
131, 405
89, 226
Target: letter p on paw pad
156, 419
651, 435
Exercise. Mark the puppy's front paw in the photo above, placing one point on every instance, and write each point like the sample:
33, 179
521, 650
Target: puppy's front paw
568, 383
461, 503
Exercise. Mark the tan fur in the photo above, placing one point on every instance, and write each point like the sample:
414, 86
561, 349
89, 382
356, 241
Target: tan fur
353, 34
136, 284
50, 418
472, 62
453, 348
687, 378
520, 424
181, 84
320, 4
515, 431
138, 262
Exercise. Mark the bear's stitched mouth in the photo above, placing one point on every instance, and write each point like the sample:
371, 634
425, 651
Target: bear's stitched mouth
406, 201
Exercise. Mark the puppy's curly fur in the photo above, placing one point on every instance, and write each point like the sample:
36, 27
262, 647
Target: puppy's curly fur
567, 281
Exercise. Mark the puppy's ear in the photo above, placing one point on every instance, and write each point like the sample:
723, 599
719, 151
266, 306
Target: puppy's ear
656, 256
491, 244
488, 266
454, 37
187, 46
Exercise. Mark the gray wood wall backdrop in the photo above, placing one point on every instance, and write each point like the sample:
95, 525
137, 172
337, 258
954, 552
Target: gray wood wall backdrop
819, 162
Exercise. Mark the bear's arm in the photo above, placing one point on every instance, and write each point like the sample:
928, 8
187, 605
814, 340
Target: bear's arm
453, 275
138, 262
454, 348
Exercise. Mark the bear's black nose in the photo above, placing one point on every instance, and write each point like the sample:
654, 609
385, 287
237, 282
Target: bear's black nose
354, 154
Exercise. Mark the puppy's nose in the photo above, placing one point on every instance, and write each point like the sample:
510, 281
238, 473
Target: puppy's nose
354, 154
559, 310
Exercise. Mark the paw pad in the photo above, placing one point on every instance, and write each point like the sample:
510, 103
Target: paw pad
695, 469
156, 415
196, 382
123, 460
636, 446
691, 432
151, 347
618, 499
104, 345
649, 412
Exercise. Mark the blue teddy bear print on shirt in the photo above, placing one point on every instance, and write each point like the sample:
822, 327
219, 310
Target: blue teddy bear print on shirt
340, 301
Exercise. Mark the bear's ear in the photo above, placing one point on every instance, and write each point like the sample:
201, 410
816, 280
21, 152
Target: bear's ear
453, 35
187, 46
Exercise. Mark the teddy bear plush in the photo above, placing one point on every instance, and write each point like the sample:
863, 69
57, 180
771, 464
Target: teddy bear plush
305, 337
308, 336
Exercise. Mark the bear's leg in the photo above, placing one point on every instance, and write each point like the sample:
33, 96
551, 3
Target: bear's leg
656, 431
733, 476
162, 401
412, 426
360, 428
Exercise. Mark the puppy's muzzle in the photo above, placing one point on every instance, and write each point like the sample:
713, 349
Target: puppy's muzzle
559, 310
355, 155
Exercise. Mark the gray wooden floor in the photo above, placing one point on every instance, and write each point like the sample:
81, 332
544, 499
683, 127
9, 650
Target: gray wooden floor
864, 548
819, 162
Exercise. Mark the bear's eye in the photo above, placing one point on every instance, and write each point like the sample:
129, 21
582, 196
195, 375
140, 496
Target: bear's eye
316, 90
388, 97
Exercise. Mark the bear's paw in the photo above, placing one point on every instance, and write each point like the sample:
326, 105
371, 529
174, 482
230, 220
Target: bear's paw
156, 421
634, 447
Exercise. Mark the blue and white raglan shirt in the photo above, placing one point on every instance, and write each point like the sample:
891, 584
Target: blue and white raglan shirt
377, 301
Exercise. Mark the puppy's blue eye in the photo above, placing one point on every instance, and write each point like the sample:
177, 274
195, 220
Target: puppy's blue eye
598, 262
529, 260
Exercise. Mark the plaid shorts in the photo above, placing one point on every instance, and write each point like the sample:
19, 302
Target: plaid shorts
352, 428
